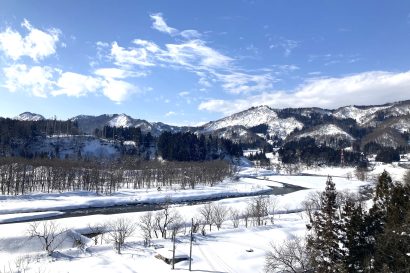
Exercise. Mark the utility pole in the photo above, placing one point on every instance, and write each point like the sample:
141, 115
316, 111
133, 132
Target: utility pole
173, 249
190, 246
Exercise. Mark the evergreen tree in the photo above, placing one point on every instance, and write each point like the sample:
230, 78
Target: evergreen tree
393, 245
324, 242
382, 197
354, 239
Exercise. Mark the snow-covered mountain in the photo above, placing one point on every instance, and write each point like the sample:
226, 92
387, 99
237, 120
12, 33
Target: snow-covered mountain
373, 115
284, 127
27, 116
248, 118
362, 116
259, 124
385, 137
88, 124
262, 115
326, 131
238, 134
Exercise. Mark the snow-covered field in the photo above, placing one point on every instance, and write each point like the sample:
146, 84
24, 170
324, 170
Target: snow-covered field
226, 250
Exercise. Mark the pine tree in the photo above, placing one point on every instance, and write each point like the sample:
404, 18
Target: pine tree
393, 245
354, 237
324, 242
378, 213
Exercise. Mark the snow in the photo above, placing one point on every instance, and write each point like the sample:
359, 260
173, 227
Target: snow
82, 199
219, 251
283, 127
326, 130
362, 116
71, 145
256, 116
249, 152
121, 120
402, 125
249, 118
16, 217
27, 116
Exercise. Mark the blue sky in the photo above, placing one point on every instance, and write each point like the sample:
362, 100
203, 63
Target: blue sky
187, 62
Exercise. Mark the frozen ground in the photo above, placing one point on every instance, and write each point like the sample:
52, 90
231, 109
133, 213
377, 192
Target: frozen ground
218, 251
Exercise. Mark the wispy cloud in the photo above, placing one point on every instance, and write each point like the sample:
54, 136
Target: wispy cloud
332, 59
191, 54
287, 45
190, 34
242, 83
195, 53
325, 92
118, 73
115, 65
37, 44
170, 113
131, 56
160, 24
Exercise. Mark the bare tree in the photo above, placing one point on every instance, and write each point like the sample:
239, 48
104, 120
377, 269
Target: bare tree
311, 204
287, 257
206, 214
164, 218
235, 217
146, 225
49, 233
119, 230
361, 174
273, 204
258, 208
246, 214
97, 230
219, 213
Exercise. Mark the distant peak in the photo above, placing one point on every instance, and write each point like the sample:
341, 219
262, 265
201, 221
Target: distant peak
28, 116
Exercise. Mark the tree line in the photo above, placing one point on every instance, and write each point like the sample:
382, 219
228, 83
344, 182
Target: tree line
190, 147
305, 150
15, 135
20, 176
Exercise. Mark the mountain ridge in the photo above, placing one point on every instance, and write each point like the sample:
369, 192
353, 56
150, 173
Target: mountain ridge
277, 123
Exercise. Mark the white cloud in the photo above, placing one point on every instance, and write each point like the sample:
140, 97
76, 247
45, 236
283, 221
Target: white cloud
287, 45
183, 93
238, 82
76, 85
170, 113
196, 53
374, 87
160, 24
193, 55
190, 34
36, 80
204, 82
118, 91
127, 57
147, 45
37, 44
117, 73
42, 81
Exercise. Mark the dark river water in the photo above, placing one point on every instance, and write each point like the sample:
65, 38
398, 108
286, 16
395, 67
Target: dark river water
141, 207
